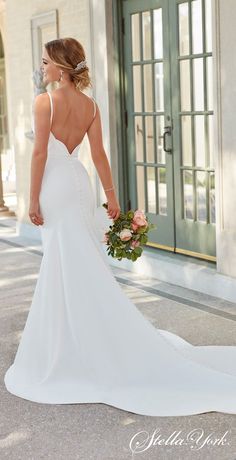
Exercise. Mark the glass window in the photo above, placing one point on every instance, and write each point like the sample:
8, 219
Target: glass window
162, 191
137, 88
138, 130
159, 88
188, 194
185, 87
198, 84
197, 26
208, 16
212, 198
151, 186
183, 29
157, 30
146, 29
161, 154
186, 140
148, 91
201, 196
149, 139
199, 135
140, 188
135, 37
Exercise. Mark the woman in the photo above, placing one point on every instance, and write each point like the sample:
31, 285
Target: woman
84, 340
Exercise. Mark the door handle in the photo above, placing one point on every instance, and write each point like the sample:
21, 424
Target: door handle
167, 132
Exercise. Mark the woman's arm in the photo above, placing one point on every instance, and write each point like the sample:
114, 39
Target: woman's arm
102, 165
39, 154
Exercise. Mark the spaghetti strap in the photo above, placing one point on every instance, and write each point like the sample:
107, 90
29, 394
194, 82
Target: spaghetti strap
51, 104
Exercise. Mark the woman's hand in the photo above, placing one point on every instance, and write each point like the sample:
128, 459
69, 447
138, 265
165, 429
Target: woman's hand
113, 209
35, 213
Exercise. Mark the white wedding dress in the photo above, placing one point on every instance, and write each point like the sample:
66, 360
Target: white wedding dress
84, 340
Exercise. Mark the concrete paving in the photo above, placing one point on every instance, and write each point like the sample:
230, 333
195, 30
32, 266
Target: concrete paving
35, 431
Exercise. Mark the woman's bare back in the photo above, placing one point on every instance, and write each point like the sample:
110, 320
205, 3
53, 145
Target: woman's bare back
71, 116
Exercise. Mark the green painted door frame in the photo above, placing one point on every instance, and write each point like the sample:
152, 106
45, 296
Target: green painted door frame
175, 230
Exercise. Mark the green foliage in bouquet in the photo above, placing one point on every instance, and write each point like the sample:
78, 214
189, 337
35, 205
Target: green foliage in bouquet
127, 235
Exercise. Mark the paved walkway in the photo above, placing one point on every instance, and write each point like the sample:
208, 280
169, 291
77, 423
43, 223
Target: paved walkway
97, 431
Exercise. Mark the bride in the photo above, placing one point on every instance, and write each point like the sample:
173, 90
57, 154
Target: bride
84, 341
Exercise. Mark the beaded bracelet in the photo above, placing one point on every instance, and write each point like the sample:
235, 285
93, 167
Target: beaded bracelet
107, 190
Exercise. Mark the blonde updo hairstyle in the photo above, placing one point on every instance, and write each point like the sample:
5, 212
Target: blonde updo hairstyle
66, 53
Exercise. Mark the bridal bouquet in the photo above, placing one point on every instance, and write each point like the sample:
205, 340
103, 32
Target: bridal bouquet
127, 235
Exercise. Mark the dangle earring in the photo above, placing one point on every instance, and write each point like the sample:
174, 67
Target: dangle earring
60, 78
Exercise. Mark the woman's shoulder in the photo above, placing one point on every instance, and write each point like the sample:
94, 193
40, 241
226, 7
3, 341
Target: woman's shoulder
41, 100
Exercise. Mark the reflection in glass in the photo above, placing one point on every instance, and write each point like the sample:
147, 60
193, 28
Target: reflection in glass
159, 88
149, 139
199, 140
198, 84
188, 194
212, 198
140, 188
162, 191
209, 63
201, 196
197, 26
148, 91
138, 130
210, 134
151, 187
135, 37
183, 29
185, 96
161, 155
158, 41
146, 29
137, 88
186, 140
208, 15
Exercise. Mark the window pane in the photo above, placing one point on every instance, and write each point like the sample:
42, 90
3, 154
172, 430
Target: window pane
137, 88
158, 41
140, 188
161, 154
188, 194
138, 130
198, 84
185, 96
210, 134
212, 198
151, 185
162, 191
201, 196
149, 139
159, 88
197, 26
146, 26
135, 37
208, 15
183, 29
209, 63
148, 93
186, 141
199, 141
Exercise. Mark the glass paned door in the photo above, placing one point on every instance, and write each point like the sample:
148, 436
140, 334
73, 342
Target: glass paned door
149, 116
192, 111
168, 92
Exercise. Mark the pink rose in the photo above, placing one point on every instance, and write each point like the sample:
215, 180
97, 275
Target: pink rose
135, 244
139, 218
125, 234
134, 226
